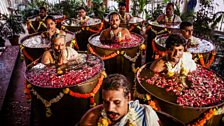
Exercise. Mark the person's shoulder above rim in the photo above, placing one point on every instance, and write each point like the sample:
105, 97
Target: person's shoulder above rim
91, 117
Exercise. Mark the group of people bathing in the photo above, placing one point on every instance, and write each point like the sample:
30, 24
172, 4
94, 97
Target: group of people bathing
117, 108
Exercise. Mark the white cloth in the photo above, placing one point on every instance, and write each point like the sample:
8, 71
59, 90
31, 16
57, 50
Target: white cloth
187, 62
69, 53
139, 115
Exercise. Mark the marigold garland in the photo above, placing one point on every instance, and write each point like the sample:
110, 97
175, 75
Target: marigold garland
91, 94
74, 44
157, 52
41, 23
95, 31
147, 98
30, 25
202, 62
142, 47
160, 32
207, 116
27, 91
112, 55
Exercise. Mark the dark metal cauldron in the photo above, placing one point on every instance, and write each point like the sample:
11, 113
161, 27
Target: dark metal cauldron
83, 32
117, 64
33, 46
167, 101
68, 110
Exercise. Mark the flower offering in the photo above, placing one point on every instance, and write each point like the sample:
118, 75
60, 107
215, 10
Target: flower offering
205, 88
134, 42
70, 75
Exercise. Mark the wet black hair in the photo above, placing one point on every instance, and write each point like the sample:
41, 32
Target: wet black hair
185, 24
175, 40
114, 13
170, 4
49, 17
117, 81
43, 8
82, 8
122, 4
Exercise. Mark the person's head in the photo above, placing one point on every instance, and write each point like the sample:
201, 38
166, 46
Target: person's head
186, 29
50, 22
42, 12
169, 9
116, 93
58, 42
122, 7
81, 12
175, 47
114, 19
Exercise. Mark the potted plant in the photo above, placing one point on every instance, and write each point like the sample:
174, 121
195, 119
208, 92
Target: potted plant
14, 23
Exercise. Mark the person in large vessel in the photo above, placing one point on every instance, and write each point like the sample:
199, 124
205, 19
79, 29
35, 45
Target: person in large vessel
118, 109
52, 30
187, 30
177, 60
82, 18
59, 53
37, 24
125, 17
169, 17
115, 34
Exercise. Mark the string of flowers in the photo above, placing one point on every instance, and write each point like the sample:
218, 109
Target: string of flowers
31, 26
112, 55
95, 31
130, 58
145, 97
160, 32
74, 44
158, 52
210, 61
46, 103
208, 115
41, 23
22, 49
87, 95
27, 91
133, 60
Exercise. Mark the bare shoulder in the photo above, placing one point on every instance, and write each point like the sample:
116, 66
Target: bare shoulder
158, 65
62, 32
160, 17
126, 32
104, 34
47, 53
91, 117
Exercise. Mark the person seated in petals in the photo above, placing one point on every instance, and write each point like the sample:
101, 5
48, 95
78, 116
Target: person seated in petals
38, 22
42, 14
115, 34
169, 17
187, 32
82, 18
176, 61
125, 17
52, 30
117, 108
59, 54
